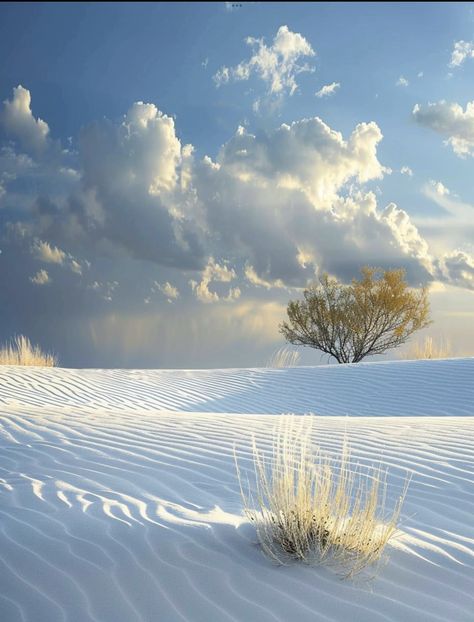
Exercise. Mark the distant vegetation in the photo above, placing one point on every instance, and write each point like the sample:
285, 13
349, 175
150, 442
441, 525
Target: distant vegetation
284, 357
349, 322
21, 352
429, 349
315, 508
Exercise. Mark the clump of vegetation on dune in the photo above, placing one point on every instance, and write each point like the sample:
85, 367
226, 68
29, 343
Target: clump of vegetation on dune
429, 349
284, 357
316, 508
20, 351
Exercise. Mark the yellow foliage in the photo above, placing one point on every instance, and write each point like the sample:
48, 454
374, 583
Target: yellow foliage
21, 352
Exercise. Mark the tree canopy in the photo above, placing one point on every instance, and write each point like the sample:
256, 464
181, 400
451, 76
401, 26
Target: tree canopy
349, 322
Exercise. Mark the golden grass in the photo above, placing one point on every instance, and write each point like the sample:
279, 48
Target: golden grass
20, 351
429, 349
311, 507
284, 357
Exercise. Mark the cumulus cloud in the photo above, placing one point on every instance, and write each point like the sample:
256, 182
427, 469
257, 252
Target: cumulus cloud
270, 212
18, 122
307, 156
40, 278
133, 175
406, 170
215, 273
462, 50
457, 268
328, 89
452, 121
254, 279
170, 291
436, 187
47, 253
277, 64
402, 81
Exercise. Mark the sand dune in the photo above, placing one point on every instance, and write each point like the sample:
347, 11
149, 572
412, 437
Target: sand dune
401, 388
114, 508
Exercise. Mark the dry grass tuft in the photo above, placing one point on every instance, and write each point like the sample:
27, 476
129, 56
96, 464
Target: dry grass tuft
311, 507
429, 349
20, 351
284, 357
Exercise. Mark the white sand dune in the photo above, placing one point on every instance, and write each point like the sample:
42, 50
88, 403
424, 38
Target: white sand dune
119, 500
400, 388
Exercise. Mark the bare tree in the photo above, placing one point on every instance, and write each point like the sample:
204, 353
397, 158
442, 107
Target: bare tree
349, 322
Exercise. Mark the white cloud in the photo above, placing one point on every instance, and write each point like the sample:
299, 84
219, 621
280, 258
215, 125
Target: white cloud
170, 291
277, 65
278, 207
218, 273
452, 121
406, 170
328, 89
402, 81
49, 254
462, 50
437, 187
454, 208
457, 268
40, 278
254, 279
420, 74
19, 122
306, 156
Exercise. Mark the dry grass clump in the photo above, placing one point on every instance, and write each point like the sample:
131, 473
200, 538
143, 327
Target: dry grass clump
429, 349
20, 351
284, 357
312, 507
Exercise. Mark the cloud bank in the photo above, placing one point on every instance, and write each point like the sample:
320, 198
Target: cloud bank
132, 217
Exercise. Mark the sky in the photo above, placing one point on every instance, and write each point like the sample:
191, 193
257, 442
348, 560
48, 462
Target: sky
172, 174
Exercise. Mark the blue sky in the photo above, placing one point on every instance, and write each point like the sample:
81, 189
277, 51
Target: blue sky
115, 231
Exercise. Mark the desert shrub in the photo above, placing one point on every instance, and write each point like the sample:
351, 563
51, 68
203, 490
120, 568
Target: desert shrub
349, 322
20, 351
284, 357
429, 349
316, 508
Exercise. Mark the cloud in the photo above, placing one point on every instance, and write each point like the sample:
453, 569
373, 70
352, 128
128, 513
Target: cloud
462, 50
40, 278
170, 291
402, 81
254, 279
457, 268
18, 122
134, 205
406, 170
49, 254
328, 89
437, 187
453, 208
276, 65
215, 273
105, 290
132, 189
452, 121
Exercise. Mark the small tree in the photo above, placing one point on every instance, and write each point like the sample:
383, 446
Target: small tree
367, 317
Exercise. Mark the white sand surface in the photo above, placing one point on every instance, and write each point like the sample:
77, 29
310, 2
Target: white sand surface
119, 500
